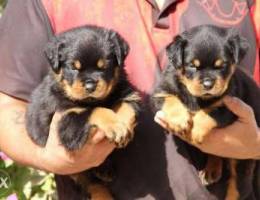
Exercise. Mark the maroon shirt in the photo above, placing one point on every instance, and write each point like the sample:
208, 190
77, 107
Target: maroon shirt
155, 165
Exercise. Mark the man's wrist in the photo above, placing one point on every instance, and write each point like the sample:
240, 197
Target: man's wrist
40, 159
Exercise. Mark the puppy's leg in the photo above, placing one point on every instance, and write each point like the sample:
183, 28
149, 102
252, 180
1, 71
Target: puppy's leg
38, 126
107, 120
99, 192
73, 128
232, 191
177, 116
38, 118
96, 191
127, 112
202, 125
213, 170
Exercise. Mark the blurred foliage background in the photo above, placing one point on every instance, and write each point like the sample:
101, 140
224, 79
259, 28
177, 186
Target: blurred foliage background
2, 5
26, 183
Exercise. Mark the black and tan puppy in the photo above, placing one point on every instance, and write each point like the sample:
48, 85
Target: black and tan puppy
202, 70
88, 85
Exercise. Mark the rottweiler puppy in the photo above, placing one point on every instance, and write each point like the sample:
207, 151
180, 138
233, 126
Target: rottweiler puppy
88, 85
202, 70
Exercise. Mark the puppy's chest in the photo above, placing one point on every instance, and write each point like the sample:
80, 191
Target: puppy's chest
65, 104
87, 106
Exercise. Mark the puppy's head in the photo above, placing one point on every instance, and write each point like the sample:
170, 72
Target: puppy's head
205, 58
87, 61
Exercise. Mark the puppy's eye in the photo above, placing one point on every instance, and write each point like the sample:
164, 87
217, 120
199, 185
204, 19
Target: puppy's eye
219, 63
195, 63
76, 65
101, 63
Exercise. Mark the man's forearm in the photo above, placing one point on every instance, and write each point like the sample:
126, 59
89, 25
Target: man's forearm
14, 140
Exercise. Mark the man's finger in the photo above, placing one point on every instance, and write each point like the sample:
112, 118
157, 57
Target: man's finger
239, 108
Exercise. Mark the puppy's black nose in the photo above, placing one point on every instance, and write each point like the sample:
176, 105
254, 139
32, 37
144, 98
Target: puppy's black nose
90, 85
208, 83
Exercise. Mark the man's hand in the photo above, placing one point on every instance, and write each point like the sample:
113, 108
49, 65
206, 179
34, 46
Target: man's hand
15, 142
239, 140
60, 161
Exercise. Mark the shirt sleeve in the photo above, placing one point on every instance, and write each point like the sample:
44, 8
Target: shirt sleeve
24, 31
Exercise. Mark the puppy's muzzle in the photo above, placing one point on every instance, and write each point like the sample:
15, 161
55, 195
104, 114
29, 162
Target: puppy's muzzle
91, 85
208, 83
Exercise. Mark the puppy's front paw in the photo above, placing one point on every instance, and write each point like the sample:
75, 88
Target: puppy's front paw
197, 137
115, 130
72, 128
176, 116
75, 138
179, 123
203, 123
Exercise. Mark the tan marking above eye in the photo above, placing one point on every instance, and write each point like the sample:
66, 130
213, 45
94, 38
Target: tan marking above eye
196, 62
101, 63
77, 64
219, 63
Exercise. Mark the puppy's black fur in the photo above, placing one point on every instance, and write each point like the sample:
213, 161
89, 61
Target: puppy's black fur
86, 46
87, 72
202, 70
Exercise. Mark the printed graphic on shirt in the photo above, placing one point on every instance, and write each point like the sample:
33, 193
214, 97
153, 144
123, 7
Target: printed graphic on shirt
232, 16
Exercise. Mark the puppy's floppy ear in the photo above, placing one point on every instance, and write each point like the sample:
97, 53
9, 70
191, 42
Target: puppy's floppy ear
53, 54
237, 45
120, 46
175, 51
